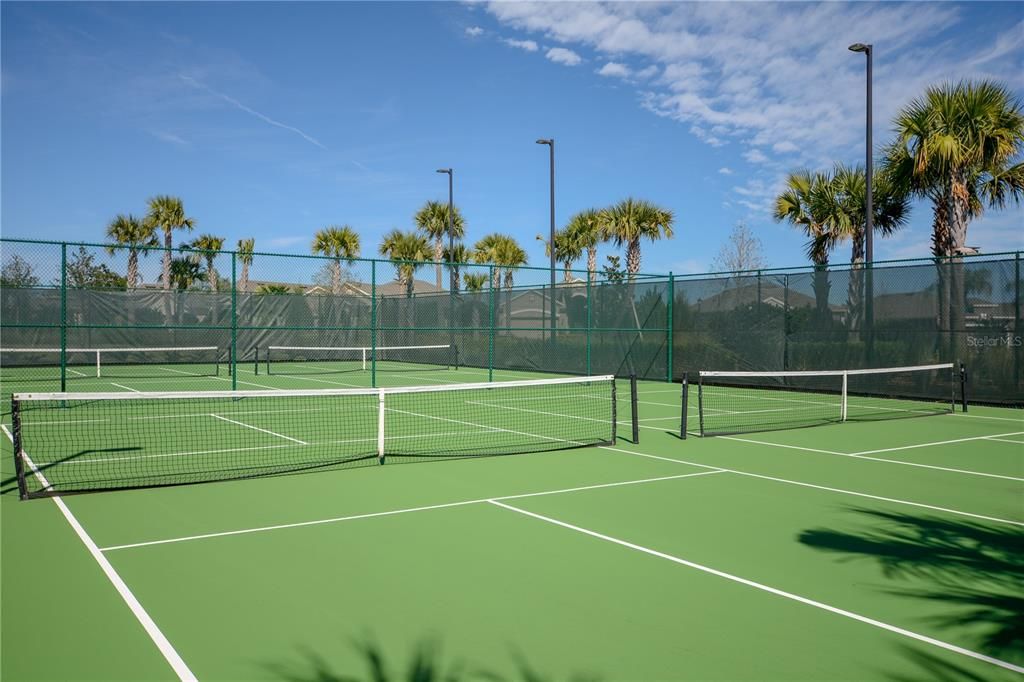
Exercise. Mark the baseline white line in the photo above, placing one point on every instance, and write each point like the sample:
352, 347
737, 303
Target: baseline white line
1005, 440
127, 388
558, 414
941, 442
172, 657
960, 415
771, 590
447, 505
841, 491
966, 472
256, 428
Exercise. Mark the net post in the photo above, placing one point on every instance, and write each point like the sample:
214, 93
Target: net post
63, 316
490, 323
615, 413
256, 360
232, 367
19, 464
634, 418
668, 330
845, 394
700, 403
380, 426
97, 363
684, 397
963, 388
373, 325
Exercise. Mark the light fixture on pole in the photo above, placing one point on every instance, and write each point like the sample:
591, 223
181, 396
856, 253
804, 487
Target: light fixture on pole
869, 213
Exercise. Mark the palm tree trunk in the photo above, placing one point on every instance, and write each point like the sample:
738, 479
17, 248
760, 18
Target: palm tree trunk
633, 257
821, 290
941, 250
336, 277
957, 243
591, 263
855, 287
438, 254
508, 297
243, 281
211, 274
168, 244
133, 268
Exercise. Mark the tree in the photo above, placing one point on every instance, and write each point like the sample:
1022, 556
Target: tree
741, 252
339, 243
613, 271
245, 252
16, 272
408, 250
802, 205
84, 273
207, 246
456, 258
184, 272
432, 220
568, 249
631, 220
276, 289
956, 145
135, 235
167, 213
502, 251
474, 282
586, 226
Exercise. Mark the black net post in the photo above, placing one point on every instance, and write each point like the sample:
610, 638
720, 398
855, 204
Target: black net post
700, 405
963, 387
634, 417
256, 360
684, 395
19, 465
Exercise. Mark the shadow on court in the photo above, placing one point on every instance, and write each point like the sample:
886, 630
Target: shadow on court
426, 663
9, 485
975, 569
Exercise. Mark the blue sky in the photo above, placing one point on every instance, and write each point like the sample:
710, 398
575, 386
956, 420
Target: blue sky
273, 120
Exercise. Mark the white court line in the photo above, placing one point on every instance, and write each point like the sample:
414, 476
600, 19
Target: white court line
178, 371
172, 657
772, 590
393, 512
75, 371
852, 455
814, 486
559, 414
1005, 440
986, 416
256, 428
940, 442
127, 388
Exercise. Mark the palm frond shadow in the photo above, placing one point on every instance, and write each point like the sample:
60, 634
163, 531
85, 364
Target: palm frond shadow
426, 664
976, 568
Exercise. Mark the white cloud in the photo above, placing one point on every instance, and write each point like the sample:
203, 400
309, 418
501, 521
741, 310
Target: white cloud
725, 170
528, 45
777, 77
474, 31
755, 156
560, 55
169, 137
615, 70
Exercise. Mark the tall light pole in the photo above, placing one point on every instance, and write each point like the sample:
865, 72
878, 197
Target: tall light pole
451, 229
869, 214
551, 235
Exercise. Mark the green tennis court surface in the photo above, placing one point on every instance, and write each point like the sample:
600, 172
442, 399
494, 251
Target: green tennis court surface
861, 550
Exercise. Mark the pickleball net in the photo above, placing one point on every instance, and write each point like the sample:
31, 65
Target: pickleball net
744, 402
77, 442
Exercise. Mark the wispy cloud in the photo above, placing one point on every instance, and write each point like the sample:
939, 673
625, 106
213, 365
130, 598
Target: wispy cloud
561, 55
615, 70
528, 45
249, 110
169, 137
724, 170
474, 31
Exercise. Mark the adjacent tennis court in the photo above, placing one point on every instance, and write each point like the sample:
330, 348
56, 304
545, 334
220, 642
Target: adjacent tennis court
881, 549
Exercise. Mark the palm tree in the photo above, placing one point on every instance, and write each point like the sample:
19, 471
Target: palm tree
168, 214
135, 235
408, 250
432, 220
265, 289
207, 246
568, 249
338, 243
184, 272
587, 228
955, 146
245, 251
802, 204
503, 252
631, 220
475, 283
485, 252
456, 258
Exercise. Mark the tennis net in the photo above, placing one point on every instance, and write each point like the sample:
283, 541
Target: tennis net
27, 363
327, 360
76, 442
741, 402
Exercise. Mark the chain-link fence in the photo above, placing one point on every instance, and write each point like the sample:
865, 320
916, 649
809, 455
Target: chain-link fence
76, 312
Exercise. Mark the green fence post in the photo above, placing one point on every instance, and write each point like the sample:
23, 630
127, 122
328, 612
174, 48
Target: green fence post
63, 316
490, 323
668, 326
234, 322
373, 324
785, 322
1016, 318
590, 322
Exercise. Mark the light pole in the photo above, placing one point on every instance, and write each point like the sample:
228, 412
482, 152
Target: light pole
451, 229
869, 214
551, 236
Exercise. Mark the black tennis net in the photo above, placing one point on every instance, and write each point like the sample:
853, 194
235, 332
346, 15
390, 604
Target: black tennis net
75, 442
742, 402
